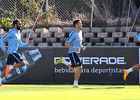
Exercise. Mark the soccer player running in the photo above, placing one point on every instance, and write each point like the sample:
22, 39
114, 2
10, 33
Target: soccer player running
74, 43
131, 69
14, 41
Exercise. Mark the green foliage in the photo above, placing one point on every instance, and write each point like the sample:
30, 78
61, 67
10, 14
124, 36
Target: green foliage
105, 44
5, 23
46, 18
86, 25
35, 8
6, 13
84, 43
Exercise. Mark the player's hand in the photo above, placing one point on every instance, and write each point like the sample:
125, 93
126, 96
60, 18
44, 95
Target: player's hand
76, 48
83, 48
31, 41
5, 52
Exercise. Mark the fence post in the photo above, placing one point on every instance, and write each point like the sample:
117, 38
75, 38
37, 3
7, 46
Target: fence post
47, 10
92, 14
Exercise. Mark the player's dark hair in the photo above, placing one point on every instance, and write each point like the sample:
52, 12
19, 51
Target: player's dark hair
15, 22
76, 22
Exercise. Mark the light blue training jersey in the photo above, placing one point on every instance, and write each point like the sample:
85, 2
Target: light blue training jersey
14, 41
75, 40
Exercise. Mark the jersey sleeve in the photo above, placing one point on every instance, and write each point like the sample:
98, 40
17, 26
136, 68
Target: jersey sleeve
23, 44
70, 38
5, 37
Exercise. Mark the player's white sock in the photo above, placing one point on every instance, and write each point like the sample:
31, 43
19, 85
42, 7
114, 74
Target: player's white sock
0, 79
129, 70
75, 83
65, 62
11, 67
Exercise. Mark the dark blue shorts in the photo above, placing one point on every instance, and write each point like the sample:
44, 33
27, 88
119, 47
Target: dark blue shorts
75, 60
13, 58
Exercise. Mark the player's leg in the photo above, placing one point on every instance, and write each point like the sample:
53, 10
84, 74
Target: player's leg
72, 68
134, 68
2, 75
10, 67
17, 65
19, 62
9, 63
63, 61
77, 76
0, 81
76, 63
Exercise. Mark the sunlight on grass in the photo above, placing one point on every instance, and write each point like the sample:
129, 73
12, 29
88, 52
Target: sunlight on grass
67, 92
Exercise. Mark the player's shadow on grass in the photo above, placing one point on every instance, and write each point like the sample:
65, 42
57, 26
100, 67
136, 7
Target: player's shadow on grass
104, 88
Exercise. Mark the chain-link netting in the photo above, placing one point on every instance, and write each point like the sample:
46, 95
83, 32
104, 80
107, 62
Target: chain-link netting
63, 12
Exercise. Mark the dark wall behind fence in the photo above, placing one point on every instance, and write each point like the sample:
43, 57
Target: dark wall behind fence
100, 66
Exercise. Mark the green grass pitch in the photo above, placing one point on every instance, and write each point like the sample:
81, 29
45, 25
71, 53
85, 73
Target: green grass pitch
67, 92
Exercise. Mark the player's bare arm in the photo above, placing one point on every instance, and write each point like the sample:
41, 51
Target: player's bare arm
5, 52
31, 41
